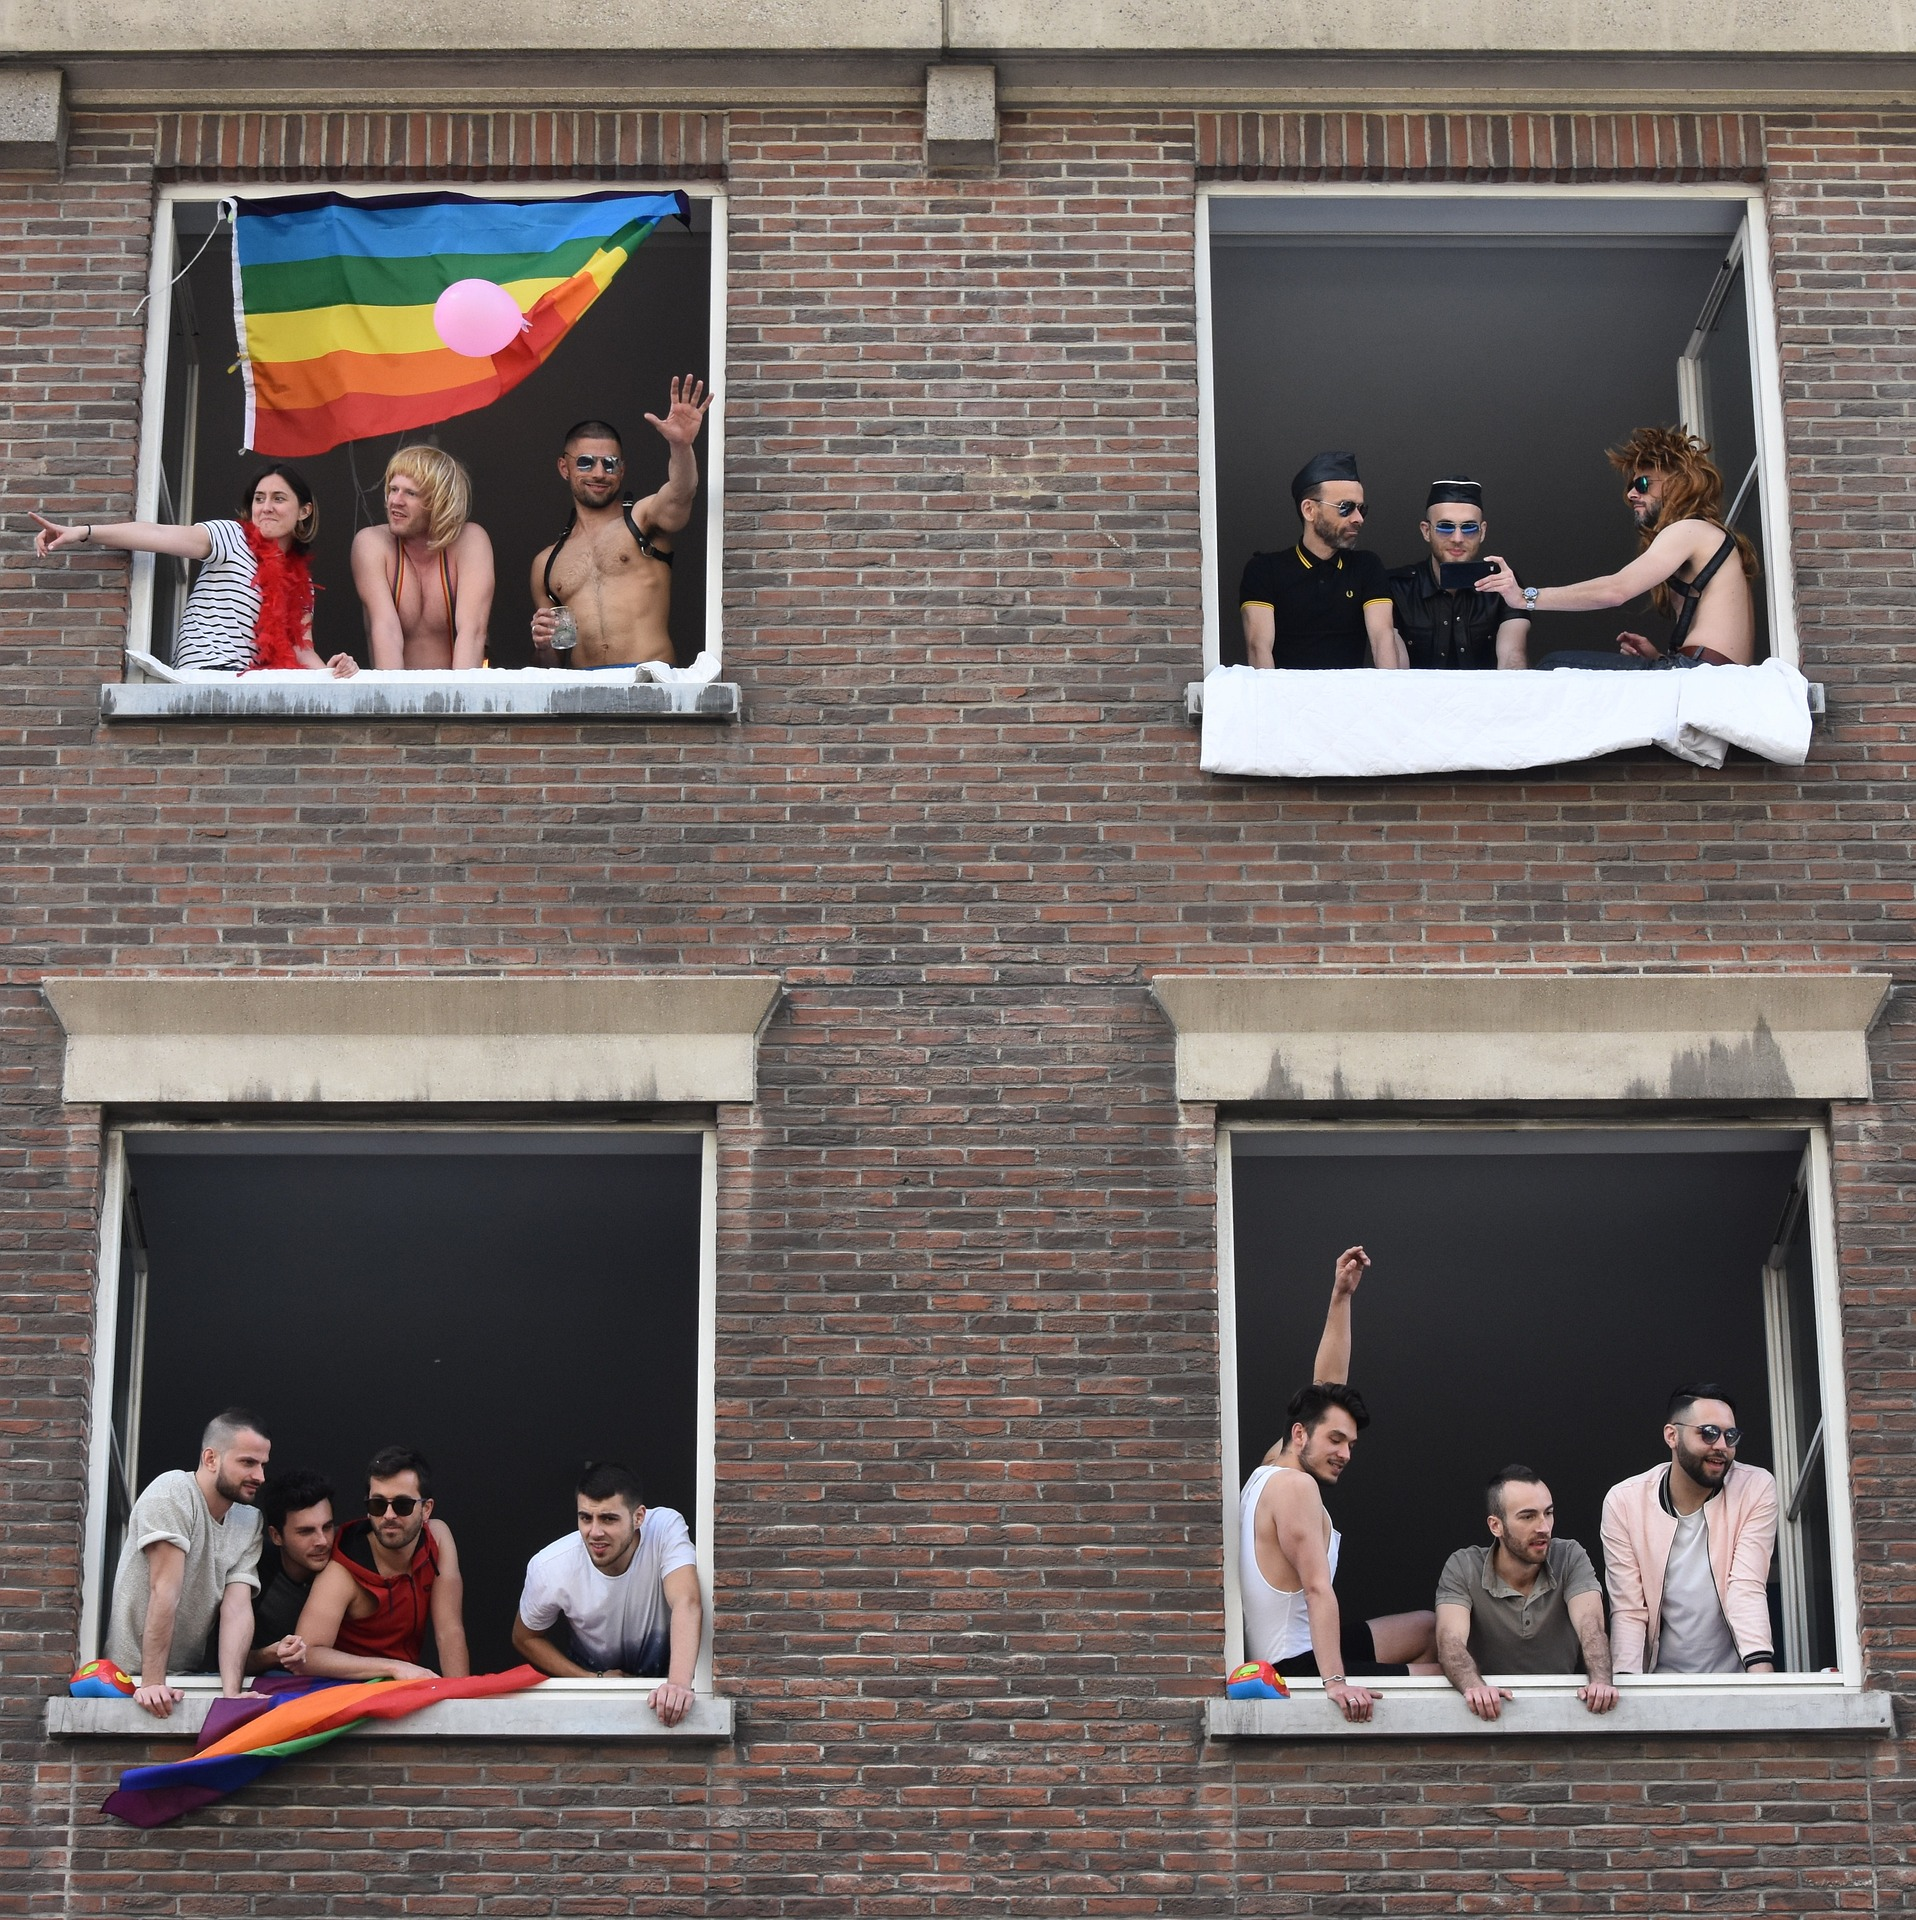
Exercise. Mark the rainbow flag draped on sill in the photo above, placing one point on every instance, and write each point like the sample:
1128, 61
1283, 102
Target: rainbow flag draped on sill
245, 1738
333, 301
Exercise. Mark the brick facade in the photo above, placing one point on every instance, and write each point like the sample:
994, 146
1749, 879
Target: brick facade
969, 1587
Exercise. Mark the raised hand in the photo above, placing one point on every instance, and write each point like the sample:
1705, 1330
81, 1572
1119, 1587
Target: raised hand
1350, 1269
686, 414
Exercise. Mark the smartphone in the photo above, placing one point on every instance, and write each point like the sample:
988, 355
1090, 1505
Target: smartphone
1458, 575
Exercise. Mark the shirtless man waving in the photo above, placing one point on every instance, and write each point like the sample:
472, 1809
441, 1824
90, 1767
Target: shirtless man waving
611, 568
1287, 1550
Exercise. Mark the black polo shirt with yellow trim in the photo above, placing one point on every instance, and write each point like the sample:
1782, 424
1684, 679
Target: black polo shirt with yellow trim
1317, 605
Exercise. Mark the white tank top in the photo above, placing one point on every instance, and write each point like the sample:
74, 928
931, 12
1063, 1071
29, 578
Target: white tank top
1277, 1625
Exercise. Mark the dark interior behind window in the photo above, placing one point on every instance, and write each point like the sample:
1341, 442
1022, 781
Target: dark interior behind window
652, 322
509, 1305
1435, 337
1534, 1298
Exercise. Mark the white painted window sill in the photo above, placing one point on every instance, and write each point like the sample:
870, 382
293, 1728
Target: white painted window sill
1428, 1708
555, 1710
357, 699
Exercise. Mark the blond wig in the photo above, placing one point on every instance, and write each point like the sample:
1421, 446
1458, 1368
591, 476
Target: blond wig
444, 485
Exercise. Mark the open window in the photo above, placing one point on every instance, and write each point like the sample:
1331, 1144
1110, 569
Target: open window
1512, 334
1537, 1293
510, 1303
662, 314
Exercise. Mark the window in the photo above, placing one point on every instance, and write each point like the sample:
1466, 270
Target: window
1537, 1291
662, 314
1506, 333
510, 1303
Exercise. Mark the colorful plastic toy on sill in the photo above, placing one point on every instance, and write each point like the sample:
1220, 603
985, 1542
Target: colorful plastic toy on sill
1256, 1680
100, 1680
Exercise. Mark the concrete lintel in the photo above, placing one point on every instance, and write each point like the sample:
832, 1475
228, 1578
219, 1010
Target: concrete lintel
1434, 1712
580, 1710
33, 120
412, 1039
961, 119
485, 699
1261, 1038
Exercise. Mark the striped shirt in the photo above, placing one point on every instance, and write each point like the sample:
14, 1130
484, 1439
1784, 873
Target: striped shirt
222, 611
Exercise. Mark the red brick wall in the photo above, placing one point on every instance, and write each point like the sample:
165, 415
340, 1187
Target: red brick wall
968, 1543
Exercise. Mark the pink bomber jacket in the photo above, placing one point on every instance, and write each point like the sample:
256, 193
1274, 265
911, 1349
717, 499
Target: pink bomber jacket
1638, 1530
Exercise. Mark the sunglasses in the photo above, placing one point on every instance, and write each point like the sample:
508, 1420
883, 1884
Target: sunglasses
1343, 508
1470, 529
401, 1504
1711, 1435
1641, 484
585, 462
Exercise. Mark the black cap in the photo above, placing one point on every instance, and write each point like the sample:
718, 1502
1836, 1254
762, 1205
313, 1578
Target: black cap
1459, 487
1319, 468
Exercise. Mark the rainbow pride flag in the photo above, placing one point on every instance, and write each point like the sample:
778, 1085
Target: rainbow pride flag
333, 300
245, 1738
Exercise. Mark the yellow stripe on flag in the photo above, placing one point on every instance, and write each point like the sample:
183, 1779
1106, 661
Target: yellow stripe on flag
283, 338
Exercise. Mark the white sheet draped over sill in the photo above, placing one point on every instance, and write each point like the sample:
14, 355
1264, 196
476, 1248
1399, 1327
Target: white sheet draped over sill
705, 668
1365, 722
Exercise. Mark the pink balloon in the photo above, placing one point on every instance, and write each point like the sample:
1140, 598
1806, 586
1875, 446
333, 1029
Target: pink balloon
476, 318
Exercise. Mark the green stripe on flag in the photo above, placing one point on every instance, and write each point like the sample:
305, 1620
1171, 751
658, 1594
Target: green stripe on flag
345, 280
281, 1748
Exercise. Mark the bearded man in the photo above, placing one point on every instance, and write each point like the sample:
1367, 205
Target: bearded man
1676, 497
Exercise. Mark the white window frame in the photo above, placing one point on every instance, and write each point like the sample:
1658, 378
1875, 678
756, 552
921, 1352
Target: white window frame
1829, 1359
165, 265
1773, 472
94, 1571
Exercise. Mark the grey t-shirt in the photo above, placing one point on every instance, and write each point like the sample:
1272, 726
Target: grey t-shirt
1512, 1632
218, 1553
1692, 1634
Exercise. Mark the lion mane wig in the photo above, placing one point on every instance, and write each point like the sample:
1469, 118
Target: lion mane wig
1692, 490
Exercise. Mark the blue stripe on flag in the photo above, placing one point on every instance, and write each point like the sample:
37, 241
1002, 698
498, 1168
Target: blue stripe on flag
454, 224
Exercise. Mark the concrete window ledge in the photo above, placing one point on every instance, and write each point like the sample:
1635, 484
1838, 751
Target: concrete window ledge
488, 698
558, 1710
1431, 1709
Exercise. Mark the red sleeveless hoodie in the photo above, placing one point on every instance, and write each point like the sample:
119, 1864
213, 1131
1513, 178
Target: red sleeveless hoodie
396, 1629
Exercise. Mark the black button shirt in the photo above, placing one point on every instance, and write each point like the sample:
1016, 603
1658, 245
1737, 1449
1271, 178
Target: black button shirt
1446, 629
1318, 605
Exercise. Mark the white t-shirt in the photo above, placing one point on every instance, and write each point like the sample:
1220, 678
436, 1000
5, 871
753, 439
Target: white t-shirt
618, 1622
1692, 1634
218, 1553
221, 616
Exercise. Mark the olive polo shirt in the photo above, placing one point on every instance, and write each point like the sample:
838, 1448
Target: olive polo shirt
1512, 1632
1317, 606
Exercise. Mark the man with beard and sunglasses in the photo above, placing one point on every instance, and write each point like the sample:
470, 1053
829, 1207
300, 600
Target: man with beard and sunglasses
1692, 565
1323, 603
1288, 1549
611, 569
393, 1575
189, 1566
1687, 1549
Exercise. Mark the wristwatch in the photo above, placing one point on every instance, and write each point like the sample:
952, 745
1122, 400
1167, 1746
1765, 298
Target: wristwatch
1530, 598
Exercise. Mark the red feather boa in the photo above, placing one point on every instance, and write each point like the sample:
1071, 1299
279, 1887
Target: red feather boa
285, 583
